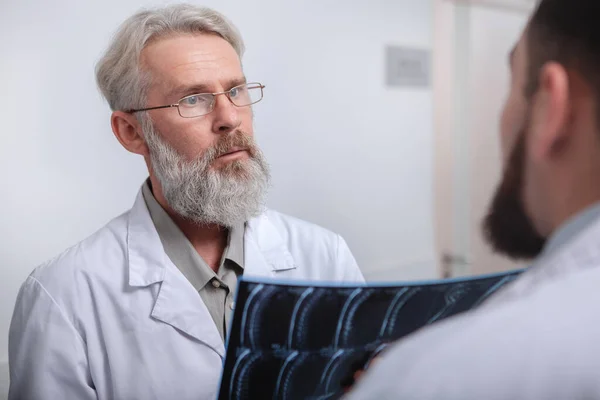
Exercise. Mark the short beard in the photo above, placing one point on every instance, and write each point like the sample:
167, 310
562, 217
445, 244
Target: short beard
507, 227
227, 196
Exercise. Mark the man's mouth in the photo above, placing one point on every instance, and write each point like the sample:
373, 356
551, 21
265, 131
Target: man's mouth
234, 151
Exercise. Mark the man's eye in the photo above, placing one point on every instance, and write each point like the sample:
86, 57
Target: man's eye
234, 92
191, 101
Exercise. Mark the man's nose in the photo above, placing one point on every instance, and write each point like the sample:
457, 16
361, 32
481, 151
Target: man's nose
226, 115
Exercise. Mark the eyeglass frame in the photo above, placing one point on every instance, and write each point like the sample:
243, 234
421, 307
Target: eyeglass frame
212, 104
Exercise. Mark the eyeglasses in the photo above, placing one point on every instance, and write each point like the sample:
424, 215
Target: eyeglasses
197, 105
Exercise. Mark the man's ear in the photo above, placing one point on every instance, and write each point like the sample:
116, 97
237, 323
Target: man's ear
550, 111
128, 132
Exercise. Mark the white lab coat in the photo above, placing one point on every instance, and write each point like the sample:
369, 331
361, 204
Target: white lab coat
113, 318
536, 339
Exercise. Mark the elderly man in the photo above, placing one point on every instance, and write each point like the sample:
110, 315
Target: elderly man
539, 337
140, 309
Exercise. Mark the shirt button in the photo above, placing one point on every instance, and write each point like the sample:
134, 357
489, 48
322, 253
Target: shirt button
232, 305
216, 283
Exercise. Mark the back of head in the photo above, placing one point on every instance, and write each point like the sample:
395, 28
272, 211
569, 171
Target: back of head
119, 75
567, 32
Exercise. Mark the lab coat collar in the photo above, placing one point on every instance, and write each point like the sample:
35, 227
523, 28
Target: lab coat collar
147, 257
266, 251
177, 302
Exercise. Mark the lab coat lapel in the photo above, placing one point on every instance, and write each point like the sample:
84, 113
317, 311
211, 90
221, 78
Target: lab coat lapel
177, 303
265, 251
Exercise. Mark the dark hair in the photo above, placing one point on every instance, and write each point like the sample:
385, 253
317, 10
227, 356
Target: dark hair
566, 32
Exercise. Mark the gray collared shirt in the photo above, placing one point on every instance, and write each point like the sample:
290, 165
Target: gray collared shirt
217, 290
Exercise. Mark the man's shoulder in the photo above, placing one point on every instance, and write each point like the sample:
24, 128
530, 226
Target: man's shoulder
546, 314
555, 328
86, 257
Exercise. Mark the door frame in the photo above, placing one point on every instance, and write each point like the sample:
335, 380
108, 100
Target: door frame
450, 79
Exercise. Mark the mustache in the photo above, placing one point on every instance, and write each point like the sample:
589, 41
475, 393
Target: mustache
238, 139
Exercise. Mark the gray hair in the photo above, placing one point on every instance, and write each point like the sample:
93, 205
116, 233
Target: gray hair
118, 73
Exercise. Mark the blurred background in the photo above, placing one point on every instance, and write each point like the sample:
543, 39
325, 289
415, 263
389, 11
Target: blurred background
380, 122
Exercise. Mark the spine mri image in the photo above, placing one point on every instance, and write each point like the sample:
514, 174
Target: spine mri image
302, 342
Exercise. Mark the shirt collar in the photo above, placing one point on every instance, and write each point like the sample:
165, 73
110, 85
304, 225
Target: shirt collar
179, 249
235, 245
572, 228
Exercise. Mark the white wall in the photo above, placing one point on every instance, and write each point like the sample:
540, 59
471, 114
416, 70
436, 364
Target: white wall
346, 152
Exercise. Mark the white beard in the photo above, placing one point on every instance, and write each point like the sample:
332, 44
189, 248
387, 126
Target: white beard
227, 196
